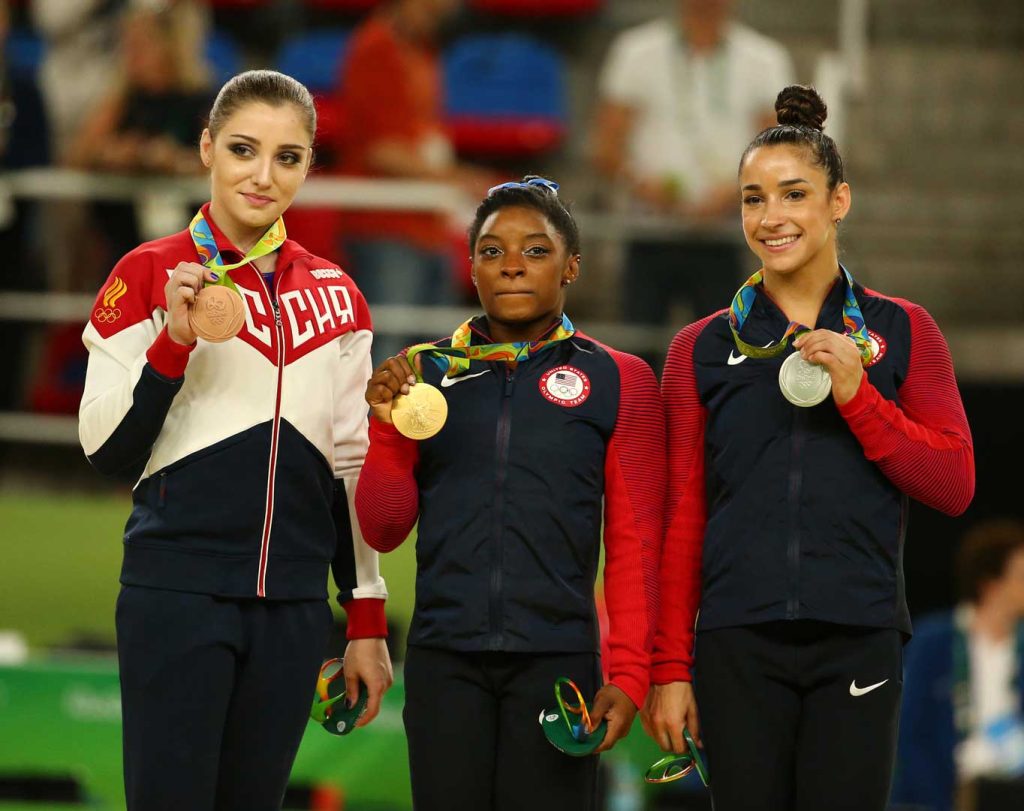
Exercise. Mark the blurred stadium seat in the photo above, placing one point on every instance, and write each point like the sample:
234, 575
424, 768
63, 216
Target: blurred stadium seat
224, 56
314, 58
537, 8
504, 96
24, 50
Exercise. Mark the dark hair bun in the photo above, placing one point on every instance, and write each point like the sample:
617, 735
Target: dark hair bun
801, 106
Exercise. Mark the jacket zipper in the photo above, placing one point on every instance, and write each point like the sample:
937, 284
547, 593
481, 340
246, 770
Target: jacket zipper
497, 551
261, 580
796, 478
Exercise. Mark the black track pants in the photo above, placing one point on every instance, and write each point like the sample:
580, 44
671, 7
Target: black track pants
799, 715
215, 696
475, 741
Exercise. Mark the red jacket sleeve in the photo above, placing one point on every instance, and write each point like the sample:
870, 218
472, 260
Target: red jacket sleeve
387, 496
634, 502
685, 513
923, 445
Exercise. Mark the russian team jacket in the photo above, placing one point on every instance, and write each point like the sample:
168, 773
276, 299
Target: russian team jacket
246, 452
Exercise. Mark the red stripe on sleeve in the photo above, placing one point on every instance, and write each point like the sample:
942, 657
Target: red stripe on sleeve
923, 445
686, 512
387, 497
634, 504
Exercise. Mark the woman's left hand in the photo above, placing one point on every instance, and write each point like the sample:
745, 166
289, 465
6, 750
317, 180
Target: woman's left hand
839, 355
615, 707
368, 664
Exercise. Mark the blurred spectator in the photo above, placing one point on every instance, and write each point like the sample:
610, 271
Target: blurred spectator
679, 100
963, 687
23, 144
147, 121
80, 60
392, 95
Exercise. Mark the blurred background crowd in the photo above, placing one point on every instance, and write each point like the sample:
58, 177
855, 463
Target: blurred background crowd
640, 109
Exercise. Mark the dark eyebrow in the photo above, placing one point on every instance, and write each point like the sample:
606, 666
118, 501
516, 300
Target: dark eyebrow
252, 140
793, 182
528, 236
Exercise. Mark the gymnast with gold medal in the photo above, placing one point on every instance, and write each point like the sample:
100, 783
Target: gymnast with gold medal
512, 443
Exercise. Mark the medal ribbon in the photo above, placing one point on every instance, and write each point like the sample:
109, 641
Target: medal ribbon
209, 253
853, 321
458, 356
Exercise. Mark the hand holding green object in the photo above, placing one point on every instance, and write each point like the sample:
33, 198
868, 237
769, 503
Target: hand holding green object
673, 767
566, 729
330, 709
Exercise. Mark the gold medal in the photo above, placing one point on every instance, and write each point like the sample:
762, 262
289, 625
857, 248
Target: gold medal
421, 413
804, 383
217, 314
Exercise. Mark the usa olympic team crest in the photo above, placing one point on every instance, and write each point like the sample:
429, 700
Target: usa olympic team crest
878, 347
565, 386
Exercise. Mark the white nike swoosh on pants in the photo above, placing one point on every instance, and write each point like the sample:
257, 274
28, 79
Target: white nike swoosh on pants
859, 691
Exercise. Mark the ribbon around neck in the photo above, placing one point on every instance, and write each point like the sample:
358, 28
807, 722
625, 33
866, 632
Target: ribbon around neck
455, 360
853, 321
206, 246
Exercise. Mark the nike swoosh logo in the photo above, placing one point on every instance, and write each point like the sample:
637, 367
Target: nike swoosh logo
451, 381
859, 691
734, 360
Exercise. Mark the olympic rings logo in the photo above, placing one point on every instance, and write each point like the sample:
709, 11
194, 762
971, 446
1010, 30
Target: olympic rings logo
107, 315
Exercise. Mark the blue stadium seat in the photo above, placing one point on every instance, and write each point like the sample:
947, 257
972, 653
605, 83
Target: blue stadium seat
504, 95
315, 58
24, 50
223, 55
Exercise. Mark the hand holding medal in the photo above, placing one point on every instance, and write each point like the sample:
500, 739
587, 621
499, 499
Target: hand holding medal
397, 395
825, 358
217, 311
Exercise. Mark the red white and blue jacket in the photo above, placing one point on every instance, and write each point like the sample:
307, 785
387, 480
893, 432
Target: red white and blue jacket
777, 512
247, 452
510, 497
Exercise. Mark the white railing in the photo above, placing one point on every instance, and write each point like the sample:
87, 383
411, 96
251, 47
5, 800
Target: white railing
164, 203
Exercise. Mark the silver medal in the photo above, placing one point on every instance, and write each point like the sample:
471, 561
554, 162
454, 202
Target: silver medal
803, 383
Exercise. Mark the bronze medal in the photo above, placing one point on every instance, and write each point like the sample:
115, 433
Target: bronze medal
217, 314
803, 383
421, 413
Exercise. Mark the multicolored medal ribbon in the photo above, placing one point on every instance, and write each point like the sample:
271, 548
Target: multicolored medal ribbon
674, 767
802, 383
218, 312
566, 729
423, 411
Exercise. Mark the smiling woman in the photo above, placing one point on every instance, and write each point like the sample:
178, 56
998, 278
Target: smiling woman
545, 428
232, 391
786, 507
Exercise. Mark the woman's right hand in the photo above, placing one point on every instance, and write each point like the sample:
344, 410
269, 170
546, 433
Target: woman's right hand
668, 709
393, 377
180, 293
